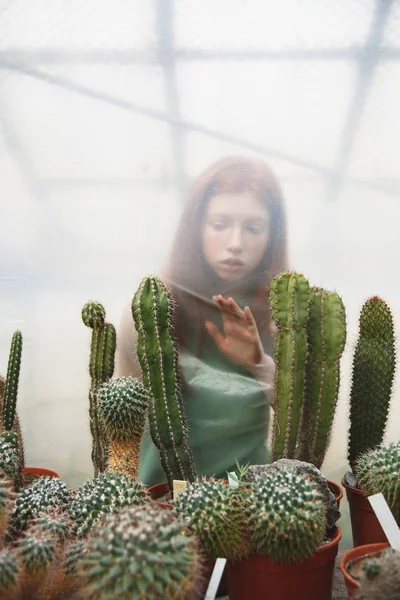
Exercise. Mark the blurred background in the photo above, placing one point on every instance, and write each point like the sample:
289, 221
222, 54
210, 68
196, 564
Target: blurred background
109, 109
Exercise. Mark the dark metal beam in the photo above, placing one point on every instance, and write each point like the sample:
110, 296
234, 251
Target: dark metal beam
166, 57
96, 57
367, 63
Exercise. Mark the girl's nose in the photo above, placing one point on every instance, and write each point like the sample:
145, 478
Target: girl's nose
235, 240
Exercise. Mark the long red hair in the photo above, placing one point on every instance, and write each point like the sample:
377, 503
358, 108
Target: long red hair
187, 267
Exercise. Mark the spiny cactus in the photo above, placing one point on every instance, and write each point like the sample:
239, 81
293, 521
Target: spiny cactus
44, 492
123, 404
101, 369
73, 556
156, 559
215, 513
8, 574
157, 349
373, 372
36, 550
287, 517
6, 498
326, 335
378, 471
289, 300
11, 391
56, 522
381, 577
105, 494
9, 457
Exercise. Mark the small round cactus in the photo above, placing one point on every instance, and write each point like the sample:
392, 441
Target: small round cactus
123, 404
44, 492
101, 495
8, 573
287, 517
380, 578
215, 513
142, 554
378, 471
9, 457
93, 315
56, 522
36, 550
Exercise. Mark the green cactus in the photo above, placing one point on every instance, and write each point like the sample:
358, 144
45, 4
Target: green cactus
105, 494
36, 550
123, 404
143, 554
373, 373
215, 513
289, 300
326, 335
5, 503
287, 516
73, 556
11, 391
9, 457
34, 499
101, 369
381, 577
8, 574
378, 471
157, 349
56, 522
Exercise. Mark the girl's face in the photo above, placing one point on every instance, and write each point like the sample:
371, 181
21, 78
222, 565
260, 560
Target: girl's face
234, 234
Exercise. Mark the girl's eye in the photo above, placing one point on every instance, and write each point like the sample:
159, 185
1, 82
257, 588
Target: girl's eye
218, 226
255, 229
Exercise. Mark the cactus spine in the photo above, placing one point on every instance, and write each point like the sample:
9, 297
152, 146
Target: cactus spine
101, 369
326, 335
123, 404
373, 372
289, 300
157, 349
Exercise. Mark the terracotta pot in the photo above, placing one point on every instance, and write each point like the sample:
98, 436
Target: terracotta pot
352, 584
38, 471
337, 490
259, 577
158, 491
365, 526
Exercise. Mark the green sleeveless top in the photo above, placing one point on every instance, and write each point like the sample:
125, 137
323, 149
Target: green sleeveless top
227, 416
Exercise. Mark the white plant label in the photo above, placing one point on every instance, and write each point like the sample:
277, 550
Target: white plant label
386, 519
231, 481
178, 487
215, 579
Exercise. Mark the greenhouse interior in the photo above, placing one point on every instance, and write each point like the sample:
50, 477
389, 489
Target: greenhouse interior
113, 115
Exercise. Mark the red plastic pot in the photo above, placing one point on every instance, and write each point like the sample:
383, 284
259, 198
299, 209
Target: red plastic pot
365, 526
259, 577
159, 491
39, 472
337, 490
352, 584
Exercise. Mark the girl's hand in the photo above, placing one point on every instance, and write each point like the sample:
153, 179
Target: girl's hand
240, 340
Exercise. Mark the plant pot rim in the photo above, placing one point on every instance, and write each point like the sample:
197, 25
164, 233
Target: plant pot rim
358, 552
351, 488
339, 487
40, 471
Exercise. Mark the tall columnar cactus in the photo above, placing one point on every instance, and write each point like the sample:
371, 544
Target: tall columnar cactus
101, 495
326, 336
373, 372
289, 300
287, 516
123, 404
156, 558
101, 369
157, 349
378, 471
215, 513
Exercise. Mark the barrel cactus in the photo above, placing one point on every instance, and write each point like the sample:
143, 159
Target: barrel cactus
101, 369
215, 513
8, 574
372, 379
101, 495
157, 349
36, 498
287, 517
289, 301
9, 456
56, 522
378, 472
140, 553
123, 404
326, 336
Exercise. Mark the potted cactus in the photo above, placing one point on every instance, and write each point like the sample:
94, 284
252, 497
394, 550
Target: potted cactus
372, 381
360, 567
157, 349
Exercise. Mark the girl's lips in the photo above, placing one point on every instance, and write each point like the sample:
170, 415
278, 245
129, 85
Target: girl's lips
232, 264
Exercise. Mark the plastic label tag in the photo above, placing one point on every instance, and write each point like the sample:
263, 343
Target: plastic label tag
215, 579
231, 481
386, 519
178, 487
